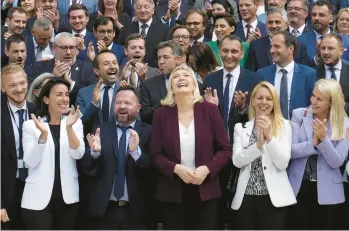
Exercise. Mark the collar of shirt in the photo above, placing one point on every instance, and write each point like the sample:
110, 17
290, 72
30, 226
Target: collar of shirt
235, 73
289, 68
82, 32
36, 45
112, 86
253, 24
130, 125
319, 35
201, 39
338, 66
148, 23
300, 29
15, 109
110, 46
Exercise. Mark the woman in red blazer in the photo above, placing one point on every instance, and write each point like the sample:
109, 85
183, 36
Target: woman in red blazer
189, 147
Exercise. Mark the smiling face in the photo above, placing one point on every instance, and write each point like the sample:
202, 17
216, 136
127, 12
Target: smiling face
182, 37
17, 23
144, 10
222, 28
78, 20
15, 86
218, 9
320, 104
28, 6
231, 53
108, 68
135, 50
110, 4
263, 102
296, 13
275, 23
126, 107
50, 5
343, 23
248, 10
182, 82
195, 24
58, 100
321, 17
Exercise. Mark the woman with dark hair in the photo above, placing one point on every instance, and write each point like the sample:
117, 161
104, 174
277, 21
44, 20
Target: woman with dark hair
112, 9
202, 60
181, 35
220, 8
225, 25
52, 142
28, 6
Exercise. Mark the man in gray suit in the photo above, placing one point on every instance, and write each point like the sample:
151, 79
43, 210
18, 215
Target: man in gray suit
135, 70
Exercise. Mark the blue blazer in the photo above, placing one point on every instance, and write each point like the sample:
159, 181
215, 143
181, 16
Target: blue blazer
344, 4
345, 55
240, 30
303, 82
89, 37
309, 39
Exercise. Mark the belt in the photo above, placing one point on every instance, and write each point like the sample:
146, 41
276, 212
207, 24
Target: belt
118, 203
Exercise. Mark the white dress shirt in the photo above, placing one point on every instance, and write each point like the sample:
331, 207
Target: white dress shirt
146, 29
46, 53
81, 33
253, 24
300, 30
187, 144
318, 36
337, 70
233, 82
278, 75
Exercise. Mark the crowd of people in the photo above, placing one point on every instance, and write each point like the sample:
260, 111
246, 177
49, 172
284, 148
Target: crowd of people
192, 114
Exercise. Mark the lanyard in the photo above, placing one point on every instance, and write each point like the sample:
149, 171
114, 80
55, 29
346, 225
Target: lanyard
13, 116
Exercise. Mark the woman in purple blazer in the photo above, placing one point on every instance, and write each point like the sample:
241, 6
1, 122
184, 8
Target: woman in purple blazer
319, 148
189, 147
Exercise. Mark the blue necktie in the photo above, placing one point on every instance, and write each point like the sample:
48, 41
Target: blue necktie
120, 175
23, 173
333, 74
105, 107
284, 94
226, 101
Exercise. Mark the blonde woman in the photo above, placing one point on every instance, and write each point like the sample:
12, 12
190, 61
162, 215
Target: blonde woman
262, 150
341, 24
189, 147
319, 148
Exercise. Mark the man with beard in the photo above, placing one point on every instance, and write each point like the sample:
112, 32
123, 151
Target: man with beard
118, 149
294, 82
15, 110
321, 18
16, 52
259, 53
77, 72
297, 12
196, 22
136, 71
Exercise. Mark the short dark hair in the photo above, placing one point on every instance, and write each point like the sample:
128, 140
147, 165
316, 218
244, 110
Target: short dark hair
76, 6
15, 38
204, 57
42, 107
119, 6
103, 20
178, 27
231, 37
13, 10
324, 3
290, 40
176, 49
225, 4
95, 62
197, 11
335, 36
228, 18
133, 36
128, 87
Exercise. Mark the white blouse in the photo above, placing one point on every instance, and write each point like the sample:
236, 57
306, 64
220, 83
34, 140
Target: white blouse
187, 142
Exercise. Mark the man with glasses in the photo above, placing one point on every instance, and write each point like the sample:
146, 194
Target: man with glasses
152, 30
196, 21
297, 12
78, 73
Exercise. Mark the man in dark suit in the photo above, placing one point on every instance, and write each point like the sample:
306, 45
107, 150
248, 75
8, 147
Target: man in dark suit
259, 53
332, 66
249, 28
171, 11
196, 22
15, 110
297, 12
77, 72
294, 82
118, 150
153, 31
227, 81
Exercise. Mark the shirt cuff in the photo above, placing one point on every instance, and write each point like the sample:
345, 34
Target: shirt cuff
164, 21
179, 14
136, 154
243, 112
95, 155
72, 86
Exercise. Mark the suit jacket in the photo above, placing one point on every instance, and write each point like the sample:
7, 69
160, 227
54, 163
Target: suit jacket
309, 39
241, 34
331, 155
212, 148
157, 33
81, 72
31, 58
41, 161
89, 37
345, 55
343, 80
259, 54
101, 171
275, 157
246, 82
303, 82
9, 156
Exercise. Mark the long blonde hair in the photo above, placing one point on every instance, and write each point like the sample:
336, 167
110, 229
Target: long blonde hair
331, 89
276, 117
335, 25
170, 99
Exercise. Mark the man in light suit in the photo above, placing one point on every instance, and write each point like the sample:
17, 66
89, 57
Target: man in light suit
136, 71
232, 78
14, 86
77, 72
118, 149
294, 82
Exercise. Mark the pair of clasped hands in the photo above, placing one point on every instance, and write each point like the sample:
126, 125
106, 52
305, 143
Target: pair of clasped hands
320, 131
189, 176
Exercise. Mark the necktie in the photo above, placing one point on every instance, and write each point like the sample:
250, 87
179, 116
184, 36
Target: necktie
78, 35
195, 42
248, 26
333, 74
284, 94
39, 53
133, 78
105, 107
143, 33
120, 175
226, 101
22, 171
295, 32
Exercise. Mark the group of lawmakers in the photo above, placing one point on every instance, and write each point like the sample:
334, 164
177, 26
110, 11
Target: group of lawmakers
123, 114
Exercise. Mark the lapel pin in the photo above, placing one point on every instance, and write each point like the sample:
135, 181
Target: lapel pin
77, 68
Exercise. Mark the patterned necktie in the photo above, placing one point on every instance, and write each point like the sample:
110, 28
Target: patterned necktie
333, 74
226, 101
119, 183
248, 26
284, 94
23, 173
143, 32
295, 32
105, 107
133, 78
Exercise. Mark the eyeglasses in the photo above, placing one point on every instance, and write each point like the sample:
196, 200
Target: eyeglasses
193, 23
109, 32
178, 37
65, 48
295, 9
